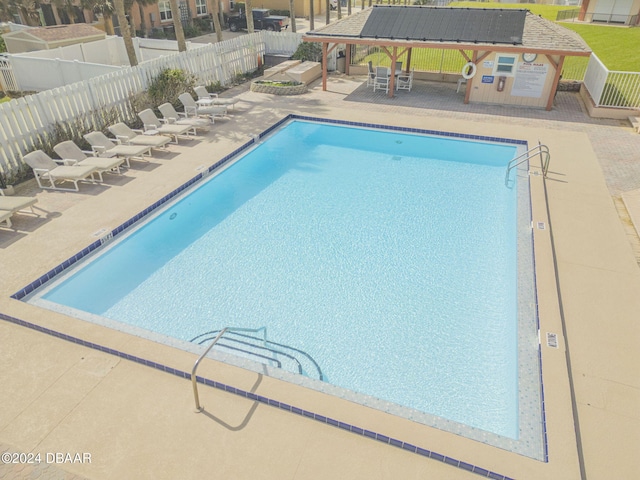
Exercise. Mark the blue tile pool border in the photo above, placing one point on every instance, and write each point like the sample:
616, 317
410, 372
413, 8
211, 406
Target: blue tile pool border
265, 400
30, 288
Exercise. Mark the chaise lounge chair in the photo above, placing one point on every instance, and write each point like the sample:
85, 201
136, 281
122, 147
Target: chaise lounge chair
179, 118
152, 122
213, 98
129, 136
45, 168
70, 151
192, 109
105, 147
13, 204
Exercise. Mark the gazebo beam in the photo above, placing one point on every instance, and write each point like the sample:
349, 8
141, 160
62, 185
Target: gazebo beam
505, 48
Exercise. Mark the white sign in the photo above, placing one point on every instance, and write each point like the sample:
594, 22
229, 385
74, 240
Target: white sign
529, 79
487, 64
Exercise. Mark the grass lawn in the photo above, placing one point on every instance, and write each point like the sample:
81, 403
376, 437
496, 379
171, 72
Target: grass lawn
546, 11
4, 99
617, 47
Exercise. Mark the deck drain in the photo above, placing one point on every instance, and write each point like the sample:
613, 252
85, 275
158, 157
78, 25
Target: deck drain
99, 233
541, 226
552, 340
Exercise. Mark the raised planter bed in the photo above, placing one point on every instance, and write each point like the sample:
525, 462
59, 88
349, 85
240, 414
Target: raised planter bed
278, 88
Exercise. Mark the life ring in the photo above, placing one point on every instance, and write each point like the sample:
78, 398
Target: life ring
469, 70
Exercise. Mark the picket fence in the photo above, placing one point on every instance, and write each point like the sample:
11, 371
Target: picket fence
27, 123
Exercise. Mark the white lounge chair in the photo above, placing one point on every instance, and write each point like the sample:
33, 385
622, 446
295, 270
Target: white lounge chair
129, 136
192, 109
5, 216
13, 204
44, 167
152, 122
180, 118
70, 151
105, 147
213, 98
381, 80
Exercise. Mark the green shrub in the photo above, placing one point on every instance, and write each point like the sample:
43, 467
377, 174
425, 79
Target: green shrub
191, 31
308, 51
157, 33
168, 85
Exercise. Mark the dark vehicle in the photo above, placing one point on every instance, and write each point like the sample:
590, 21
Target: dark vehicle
262, 20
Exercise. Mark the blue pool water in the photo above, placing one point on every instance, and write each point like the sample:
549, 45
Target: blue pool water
390, 258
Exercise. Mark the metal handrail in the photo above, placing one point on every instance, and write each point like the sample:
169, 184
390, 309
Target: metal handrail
539, 149
194, 381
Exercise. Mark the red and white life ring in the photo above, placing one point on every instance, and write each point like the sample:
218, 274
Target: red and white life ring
469, 70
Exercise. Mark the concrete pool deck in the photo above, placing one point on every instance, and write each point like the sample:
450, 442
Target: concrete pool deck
138, 422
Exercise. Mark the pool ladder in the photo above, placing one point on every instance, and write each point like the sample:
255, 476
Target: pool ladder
265, 351
540, 149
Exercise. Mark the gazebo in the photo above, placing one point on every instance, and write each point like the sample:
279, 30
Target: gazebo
516, 56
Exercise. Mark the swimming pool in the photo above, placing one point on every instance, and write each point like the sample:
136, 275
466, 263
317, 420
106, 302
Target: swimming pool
380, 262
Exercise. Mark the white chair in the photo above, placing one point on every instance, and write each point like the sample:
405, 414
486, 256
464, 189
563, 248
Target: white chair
192, 109
71, 152
371, 75
461, 81
180, 118
213, 98
152, 122
45, 168
128, 136
381, 80
405, 81
105, 147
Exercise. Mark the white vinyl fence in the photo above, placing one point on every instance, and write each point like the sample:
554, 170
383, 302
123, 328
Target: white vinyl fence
25, 123
74, 63
612, 89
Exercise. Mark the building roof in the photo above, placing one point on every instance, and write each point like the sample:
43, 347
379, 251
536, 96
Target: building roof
57, 33
460, 28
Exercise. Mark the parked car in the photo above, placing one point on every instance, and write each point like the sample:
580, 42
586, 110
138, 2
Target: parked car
262, 20
333, 4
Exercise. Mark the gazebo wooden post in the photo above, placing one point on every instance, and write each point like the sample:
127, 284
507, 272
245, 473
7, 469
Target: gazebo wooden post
392, 78
467, 92
408, 69
347, 57
556, 80
325, 46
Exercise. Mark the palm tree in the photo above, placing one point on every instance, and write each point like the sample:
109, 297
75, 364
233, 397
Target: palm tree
67, 7
249, 7
311, 23
292, 15
328, 7
104, 7
28, 11
125, 32
177, 25
215, 16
